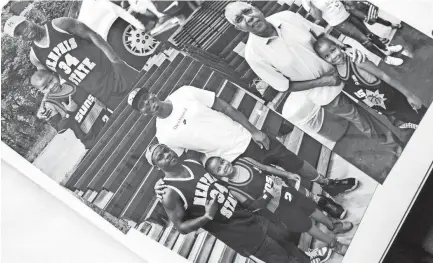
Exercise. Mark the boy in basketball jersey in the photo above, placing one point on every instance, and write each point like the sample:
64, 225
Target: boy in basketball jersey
259, 189
193, 199
78, 54
67, 107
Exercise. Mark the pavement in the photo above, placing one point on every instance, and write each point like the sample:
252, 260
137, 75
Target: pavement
356, 202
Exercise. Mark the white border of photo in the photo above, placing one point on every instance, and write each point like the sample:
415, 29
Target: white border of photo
385, 213
393, 200
140, 244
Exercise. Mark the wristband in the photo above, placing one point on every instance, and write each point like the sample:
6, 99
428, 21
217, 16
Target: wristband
208, 216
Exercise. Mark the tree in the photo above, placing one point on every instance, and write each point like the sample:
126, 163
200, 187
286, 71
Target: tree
19, 100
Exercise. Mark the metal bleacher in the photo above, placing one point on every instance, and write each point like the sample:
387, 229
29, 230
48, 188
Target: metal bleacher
115, 175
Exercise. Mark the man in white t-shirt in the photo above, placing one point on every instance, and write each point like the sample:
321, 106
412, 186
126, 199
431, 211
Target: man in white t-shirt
280, 51
195, 119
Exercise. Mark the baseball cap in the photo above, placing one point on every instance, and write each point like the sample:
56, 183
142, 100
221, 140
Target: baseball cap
135, 96
12, 23
149, 152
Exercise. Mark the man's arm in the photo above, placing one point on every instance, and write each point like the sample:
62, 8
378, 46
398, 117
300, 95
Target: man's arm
35, 61
258, 136
273, 170
78, 28
176, 213
314, 83
315, 12
234, 114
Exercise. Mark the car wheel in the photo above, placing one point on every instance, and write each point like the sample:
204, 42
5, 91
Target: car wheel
132, 45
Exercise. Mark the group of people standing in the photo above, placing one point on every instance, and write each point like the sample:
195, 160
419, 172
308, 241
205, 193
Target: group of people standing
296, 57
82, 78
244, 188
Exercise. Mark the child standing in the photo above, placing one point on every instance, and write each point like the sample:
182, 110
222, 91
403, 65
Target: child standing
371, 85
369, 13
336, 15
257, 189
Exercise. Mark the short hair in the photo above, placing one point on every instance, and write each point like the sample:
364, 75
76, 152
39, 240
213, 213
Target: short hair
141, 95
39, 75
208, 161
238, 3
321, 40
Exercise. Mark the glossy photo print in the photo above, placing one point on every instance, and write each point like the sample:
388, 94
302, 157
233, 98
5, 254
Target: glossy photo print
247, 131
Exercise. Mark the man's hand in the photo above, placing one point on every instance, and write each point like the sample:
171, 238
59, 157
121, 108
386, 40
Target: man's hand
211, 208
71, 106
414, 102
159, 188
331, 79
274, 190
356, 55
291, 176
45, 112
261, 139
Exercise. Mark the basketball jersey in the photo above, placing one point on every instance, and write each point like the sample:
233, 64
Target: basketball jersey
377, 95
380, 96
257, 183
238, 228
78, 61
89, 118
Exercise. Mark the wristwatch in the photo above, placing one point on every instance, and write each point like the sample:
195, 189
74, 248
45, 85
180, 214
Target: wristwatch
208, 216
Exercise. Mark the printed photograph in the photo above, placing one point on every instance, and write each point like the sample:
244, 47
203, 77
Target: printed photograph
226, 131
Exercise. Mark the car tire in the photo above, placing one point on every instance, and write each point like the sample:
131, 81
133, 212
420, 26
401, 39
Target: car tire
115, 39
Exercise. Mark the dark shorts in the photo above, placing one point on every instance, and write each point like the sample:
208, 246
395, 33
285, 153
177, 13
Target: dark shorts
278, 246
295, 211
277, 154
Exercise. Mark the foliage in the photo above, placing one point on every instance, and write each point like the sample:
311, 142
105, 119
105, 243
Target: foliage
19, 100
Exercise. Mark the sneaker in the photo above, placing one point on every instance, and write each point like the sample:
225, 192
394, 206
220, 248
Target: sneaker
319, 255
339, 186
397, 26
408, 125
341, 227
333, 209
340, 248
393, 61
393, 49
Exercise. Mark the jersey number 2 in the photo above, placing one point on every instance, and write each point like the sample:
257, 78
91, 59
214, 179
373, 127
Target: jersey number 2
288, 196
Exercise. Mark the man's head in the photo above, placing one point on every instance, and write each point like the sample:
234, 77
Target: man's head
161, 156
246, 17
328, 50
219, 167
144, 102
19, 26
45, 81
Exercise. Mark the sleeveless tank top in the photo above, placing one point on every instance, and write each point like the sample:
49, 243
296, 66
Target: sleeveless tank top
238, 228
89, 118
377, 95
256, 183
78, 61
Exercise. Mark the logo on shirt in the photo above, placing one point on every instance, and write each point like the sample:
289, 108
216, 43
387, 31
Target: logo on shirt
75, 69
85, 107
208, 187
372, 98
181, 119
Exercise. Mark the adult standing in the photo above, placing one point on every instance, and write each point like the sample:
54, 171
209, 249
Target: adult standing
196, 119
194, 199
280, 51
78, 54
